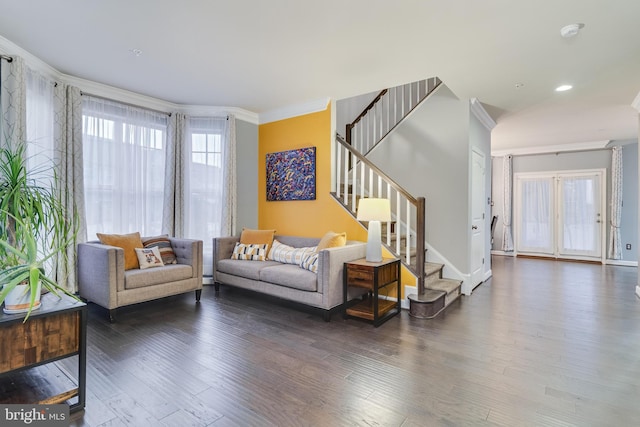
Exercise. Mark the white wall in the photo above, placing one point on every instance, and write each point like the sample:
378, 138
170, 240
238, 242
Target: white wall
428, 155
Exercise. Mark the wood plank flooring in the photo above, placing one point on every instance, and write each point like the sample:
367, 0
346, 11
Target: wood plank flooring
542, 343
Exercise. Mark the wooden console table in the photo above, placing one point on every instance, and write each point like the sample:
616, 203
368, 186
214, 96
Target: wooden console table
58, 329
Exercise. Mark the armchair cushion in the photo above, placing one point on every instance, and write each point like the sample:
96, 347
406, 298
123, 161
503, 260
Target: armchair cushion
128, 242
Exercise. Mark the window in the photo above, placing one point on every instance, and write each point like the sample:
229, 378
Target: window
124, 164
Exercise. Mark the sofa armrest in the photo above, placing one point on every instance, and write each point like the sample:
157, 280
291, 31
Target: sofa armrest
100, 273
189, 252
330, 267
222, 249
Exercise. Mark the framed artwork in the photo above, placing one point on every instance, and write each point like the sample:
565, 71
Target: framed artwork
291, 175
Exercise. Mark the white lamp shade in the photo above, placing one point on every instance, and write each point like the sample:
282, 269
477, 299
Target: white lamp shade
372, 209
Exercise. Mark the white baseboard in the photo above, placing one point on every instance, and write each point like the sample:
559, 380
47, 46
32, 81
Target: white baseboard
638, 291
487, 275
621, 262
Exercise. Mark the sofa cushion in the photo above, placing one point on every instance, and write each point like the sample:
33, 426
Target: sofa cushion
251, 252
291, 276
332, 240
242, 268
288, 254
169, 273
259, 237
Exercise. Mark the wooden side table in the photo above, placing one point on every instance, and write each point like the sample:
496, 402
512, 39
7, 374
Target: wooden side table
373, 276
58, 329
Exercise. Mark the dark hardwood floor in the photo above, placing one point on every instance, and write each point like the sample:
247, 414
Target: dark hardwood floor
542, 343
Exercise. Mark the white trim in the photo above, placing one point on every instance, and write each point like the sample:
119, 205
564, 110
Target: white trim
94, 88
636, 102
547, 149
622, 263
481, 114
638, 291
294, 110
408, 290
503, 253
487, 275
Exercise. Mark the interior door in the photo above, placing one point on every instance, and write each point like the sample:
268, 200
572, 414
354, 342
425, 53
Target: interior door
477, 217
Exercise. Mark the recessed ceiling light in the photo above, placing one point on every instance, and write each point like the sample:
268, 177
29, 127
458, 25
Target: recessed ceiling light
571, 30
563, 88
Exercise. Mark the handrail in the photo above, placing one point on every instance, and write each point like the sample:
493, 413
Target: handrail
384, 176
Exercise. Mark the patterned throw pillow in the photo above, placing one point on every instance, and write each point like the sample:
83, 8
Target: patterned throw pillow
250, 252
310, 262
164, 246
149, 257
288, 254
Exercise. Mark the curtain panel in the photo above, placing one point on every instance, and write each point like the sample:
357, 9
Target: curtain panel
12, 101
615, 244
507, 176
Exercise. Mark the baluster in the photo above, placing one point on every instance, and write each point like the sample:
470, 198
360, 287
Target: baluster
389, 223
370, 182
354, 185
346, 176
362, 180
408, 233
398, 218
338, 169
379, 186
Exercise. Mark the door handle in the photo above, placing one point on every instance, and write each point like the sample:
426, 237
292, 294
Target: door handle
474, 227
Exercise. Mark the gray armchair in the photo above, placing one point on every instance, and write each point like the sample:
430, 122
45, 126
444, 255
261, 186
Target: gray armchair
103, 280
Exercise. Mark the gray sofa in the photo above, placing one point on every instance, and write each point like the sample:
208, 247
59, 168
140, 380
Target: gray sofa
103, 280
322, 290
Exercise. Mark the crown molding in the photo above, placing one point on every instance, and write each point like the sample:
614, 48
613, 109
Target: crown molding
636, 102
99, 89
549, 149
294, 110
481, 114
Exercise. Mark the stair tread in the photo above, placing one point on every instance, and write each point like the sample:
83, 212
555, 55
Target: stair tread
432, 267
446, 285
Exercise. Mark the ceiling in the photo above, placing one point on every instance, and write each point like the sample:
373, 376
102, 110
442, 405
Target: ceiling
266, 55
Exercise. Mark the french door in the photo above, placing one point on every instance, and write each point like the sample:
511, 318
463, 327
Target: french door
560, 214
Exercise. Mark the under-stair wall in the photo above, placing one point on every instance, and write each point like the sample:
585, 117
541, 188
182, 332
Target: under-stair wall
428, 154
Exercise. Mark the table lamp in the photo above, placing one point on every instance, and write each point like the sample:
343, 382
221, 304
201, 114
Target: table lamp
374, 211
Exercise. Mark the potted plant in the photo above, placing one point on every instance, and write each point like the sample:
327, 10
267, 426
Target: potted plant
33, 227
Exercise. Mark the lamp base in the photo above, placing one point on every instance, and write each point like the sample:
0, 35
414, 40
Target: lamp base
374, 242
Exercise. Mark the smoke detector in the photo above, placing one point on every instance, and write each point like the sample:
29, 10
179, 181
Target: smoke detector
570, 30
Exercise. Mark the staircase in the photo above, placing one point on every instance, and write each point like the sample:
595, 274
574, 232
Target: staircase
357, 177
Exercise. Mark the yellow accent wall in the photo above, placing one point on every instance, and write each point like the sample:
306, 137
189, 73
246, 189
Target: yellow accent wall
308, 218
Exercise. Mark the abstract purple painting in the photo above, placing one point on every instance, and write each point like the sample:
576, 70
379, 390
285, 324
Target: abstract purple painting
291, 175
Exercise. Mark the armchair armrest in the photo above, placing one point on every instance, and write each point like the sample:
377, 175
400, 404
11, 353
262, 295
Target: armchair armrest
100, 273
189, 252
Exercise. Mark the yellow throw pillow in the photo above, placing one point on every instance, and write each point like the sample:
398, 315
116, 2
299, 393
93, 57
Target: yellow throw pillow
332, 240
128, 242
257, 237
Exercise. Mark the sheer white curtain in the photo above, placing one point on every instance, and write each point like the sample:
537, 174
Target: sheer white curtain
579, 209
507, 236
535, 227
124, 167
615, 245
209, 182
